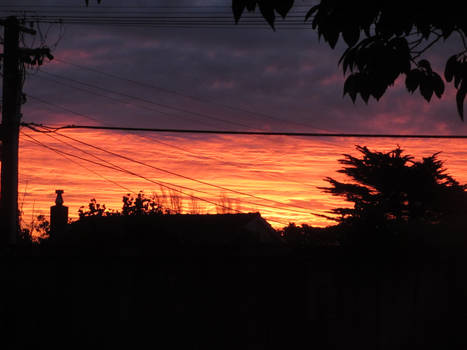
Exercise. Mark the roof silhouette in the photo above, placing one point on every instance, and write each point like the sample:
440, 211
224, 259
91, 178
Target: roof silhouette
171, 234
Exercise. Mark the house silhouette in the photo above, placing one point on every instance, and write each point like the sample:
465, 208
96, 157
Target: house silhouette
244, 234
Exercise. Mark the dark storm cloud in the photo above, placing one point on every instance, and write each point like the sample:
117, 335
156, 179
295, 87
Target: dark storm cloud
287, 74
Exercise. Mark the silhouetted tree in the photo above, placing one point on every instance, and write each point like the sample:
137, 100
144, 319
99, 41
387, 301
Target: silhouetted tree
293, 235
94, 209
140, 205
393, 187
304, 236
132, 206
385, 39
37, 230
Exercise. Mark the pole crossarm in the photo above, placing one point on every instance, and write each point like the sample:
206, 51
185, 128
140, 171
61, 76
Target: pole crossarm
6, 22
45, 51
35, 56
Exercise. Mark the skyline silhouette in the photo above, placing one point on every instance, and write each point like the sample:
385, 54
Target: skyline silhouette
194, 240
108, 74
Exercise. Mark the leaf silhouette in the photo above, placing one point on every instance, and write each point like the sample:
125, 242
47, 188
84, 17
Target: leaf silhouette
460, 97
426, 89
311, 12
331, 36
412, 80
351, 35
457, 76
250, 5
267, 10
283, 6
385, 53
238, 6
425, 64
348, 59
438, 84
350, 86
450, 68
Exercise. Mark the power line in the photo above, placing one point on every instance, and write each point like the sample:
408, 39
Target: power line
165, 23
63, 108
155, 17
162, 184
119, 168
77, 163
168, 17
167, 27
107, 124
255, 133
151, 109
104, 6
195, 98
163, 20
149, 101
148, 14
132, 173
100, 121
118, 15
116, 167
95, 93
171, 26
169, 23
198, 7
152, 139
193, 179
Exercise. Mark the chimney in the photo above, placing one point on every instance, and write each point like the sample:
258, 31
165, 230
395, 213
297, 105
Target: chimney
58, 215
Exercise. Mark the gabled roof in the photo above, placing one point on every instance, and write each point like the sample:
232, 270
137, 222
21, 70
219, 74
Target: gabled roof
243, 231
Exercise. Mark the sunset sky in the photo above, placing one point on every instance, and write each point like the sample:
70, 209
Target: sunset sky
225, 77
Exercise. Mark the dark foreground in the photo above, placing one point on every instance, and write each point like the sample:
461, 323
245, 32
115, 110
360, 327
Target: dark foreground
324, 298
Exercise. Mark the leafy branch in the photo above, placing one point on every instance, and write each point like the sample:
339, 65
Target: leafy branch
377, 35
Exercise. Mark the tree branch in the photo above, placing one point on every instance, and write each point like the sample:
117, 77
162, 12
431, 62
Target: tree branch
421, 52
462, 38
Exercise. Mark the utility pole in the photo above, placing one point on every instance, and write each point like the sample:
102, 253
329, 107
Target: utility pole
13, 58
10, 132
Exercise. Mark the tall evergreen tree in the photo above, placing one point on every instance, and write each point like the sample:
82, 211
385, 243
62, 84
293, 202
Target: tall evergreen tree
391, 186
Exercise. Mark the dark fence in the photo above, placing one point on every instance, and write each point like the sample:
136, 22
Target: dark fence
330, 299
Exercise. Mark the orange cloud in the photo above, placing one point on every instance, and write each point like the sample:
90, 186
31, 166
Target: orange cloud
285, 171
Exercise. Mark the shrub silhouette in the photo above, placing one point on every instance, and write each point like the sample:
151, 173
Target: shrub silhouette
392, 187
132, 206
140, 205
35, 231
94, 209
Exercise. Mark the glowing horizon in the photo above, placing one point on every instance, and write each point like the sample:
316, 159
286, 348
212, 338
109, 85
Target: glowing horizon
281, 169
202, 78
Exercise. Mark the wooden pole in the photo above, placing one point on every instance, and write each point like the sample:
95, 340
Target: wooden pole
11, 115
